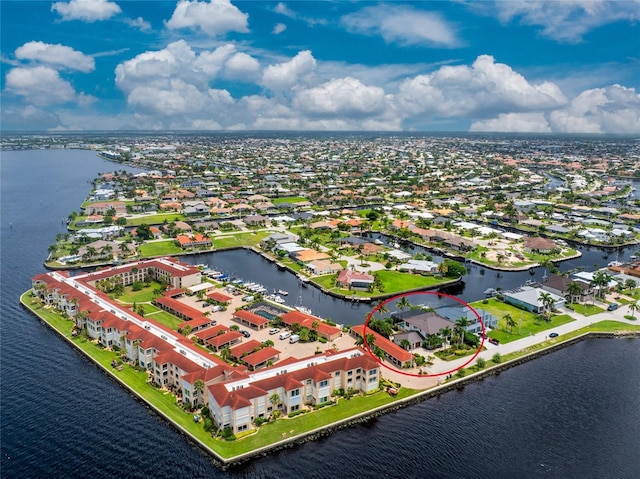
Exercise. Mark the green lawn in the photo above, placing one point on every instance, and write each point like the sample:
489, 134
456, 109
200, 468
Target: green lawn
240, 239
145, 295
159, 248
395, 281
585, 309
289, 199
528, 323
155, 219
157, 314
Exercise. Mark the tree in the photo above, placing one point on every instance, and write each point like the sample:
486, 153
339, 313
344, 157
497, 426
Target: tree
403, 303
225, 353
275, 400
378, 352
510, 322
124, 249
631, 285
547, 302
633, 307
461, 326
574, 289
198, 387
144, 233
359, 341
446, 333
601, 281
480, 363
382, 308
406, 344
454, 268
370, 340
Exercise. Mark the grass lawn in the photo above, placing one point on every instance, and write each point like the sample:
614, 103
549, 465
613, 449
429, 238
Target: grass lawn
159, 248
289, 199
529, 325
157, 314
155, 219
240, 239
395, 281
585, 309
145, 295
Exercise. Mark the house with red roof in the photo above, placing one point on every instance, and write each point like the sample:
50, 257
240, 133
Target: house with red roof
324, 330
350, 279
296, 384
193, 241
253, 320
393, 353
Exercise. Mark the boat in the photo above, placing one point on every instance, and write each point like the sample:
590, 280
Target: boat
278, 299
378, 242
282, 292
303, 279
304, 310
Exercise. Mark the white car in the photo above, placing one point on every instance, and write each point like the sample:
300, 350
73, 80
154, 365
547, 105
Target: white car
274, 330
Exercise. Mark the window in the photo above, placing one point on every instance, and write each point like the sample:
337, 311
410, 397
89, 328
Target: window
372, 379
295, 408
358, 370
308, 381
337, 374
350, 373
324, 384
295, 392
243, 427
372, 372
324, 399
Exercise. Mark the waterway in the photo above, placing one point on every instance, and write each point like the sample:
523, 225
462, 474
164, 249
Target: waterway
573, 413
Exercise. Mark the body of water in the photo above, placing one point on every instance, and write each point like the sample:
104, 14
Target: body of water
573, 413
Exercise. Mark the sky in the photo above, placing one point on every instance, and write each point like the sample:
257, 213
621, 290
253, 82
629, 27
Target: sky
563, 66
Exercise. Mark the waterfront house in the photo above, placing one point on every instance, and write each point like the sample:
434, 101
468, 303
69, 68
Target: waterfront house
559, 285
393, 353
539, 245
351, 279
194, 241
529, 298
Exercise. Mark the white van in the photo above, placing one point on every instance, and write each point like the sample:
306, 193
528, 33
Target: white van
285, 335
294, 339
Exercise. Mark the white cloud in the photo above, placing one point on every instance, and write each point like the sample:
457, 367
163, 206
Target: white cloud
514, 123
278, 28
242, 67
565, 21
29, 118
614, 109
139, 23
401, 24
86, 10
39, 85
286, 75
56, 55
215, 17
482, 90
342, 96
284, 10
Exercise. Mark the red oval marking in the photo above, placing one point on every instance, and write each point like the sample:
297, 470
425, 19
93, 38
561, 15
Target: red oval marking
393, 298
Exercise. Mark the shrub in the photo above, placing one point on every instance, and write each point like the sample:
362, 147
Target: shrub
227, 434
297, 413
497, 358
259, 421
322, 340
460, 373
208, 424
480, 363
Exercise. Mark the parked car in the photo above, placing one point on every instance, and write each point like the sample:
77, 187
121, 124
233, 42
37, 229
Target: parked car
285, 335
246, 334
274, 330
553, 335
494, 341
612, 307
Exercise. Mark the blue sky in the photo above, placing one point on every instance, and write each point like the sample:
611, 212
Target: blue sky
509, 66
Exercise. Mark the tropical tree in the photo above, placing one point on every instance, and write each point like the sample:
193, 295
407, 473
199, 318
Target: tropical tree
461, 327
446, 333
370, 340
275, 400
225, 353
198, 387
601, 280
382, 308
403, 303
574, 289
359, 341
631, 285
406, 344
547, 301
378, 352
510, 322
634, 307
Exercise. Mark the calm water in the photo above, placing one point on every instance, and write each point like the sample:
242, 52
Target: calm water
574, 413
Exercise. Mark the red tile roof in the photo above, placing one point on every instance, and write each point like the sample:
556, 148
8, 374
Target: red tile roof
224, 338
247, 347
392, 349
259, 357
251, 318
220, 297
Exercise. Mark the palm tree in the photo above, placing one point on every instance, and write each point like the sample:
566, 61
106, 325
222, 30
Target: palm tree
370, 340
382, 308
445, 333
198, 387
405, 344
442, 269
510, 322
378, 352
123, 248
403, 303
601, 280
461, 326
633, 307
359, 341
574, 289
275, 400
546, 299
225, 353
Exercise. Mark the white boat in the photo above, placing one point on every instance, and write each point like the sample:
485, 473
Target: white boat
278, 299
304, 310
282, 292
303, 279
378, 242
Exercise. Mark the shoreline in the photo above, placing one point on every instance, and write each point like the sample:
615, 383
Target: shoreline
327, 429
